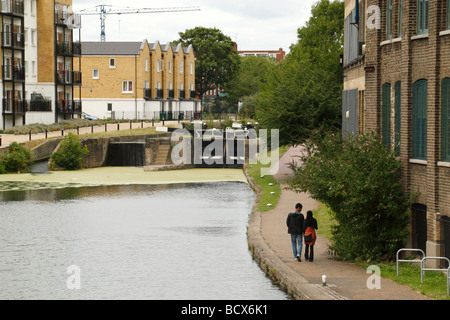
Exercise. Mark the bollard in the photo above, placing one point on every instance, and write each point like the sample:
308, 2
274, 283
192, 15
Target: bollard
78, 130
153, 122
0, 140
29, 136
118, 126
92, 128
62, 132
142, 124
131, 126
106, 127
46, 133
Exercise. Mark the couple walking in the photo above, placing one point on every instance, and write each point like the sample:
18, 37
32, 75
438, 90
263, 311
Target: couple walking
299, 226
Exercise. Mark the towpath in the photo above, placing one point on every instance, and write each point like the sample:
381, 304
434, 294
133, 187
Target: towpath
345, 281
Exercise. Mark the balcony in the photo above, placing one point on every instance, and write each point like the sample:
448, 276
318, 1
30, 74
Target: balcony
15, 7
13, 106
193, 94
12, 73
38, 105
159, 94
76, 48
68, 107
64, 77
182, 94
67, 48
147, 94
13, 40
61, 17
170, 94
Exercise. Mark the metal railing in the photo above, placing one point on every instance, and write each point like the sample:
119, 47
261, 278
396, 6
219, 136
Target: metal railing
411, 261
448, 281
13, 106
13, 39
13, 6
38, 105
423, 267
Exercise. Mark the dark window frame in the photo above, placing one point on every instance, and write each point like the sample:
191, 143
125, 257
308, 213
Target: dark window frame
419, 119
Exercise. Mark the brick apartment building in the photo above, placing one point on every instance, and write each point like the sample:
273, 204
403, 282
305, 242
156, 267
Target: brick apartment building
138, 80
38, 50
397, 82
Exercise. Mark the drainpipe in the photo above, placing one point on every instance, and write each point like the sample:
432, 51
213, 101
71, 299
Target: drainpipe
135, 87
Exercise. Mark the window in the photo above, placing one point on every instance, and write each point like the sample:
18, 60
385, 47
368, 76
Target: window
389, 19
157, 65
112, 63
33, 37
419, 120
95, 74
181, 67
146, 65
170, 66
127, 86
398, 116
109, 106
423, 9
192, 68
351, 39
386, 114
445, 119
400, 9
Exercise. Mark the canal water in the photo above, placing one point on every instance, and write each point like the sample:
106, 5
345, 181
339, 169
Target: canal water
170, 242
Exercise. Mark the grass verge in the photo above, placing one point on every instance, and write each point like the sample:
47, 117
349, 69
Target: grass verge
267, 184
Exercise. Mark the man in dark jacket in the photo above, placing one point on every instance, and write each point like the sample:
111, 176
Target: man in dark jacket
294, 223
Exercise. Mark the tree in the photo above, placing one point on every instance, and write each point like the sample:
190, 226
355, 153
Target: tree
16, 160
252, 74
359, 179
305, 92
217, 61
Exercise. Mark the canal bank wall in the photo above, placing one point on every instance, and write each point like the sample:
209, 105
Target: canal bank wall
152, 152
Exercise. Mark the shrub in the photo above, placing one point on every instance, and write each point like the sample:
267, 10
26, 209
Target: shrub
2, 167
358, 178
70, 154
16, 160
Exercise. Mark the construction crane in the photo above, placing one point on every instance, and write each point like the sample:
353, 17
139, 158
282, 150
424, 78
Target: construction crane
104, 10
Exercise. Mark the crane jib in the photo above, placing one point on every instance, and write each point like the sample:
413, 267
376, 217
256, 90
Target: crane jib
104, 10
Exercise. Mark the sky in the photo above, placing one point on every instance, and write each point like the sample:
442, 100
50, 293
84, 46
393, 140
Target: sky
253, 24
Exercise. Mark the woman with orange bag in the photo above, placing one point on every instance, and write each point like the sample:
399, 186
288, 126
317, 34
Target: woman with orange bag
310, 227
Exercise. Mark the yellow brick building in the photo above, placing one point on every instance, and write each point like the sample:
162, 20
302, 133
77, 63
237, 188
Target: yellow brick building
38, 49
138, 80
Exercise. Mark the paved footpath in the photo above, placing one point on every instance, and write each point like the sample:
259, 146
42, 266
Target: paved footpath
7, 139
345, 281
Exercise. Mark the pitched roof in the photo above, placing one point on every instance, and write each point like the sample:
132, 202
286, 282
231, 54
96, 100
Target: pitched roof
112, 48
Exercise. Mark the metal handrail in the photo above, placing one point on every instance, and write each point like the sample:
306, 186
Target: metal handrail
411, 261
448, 281
422, 269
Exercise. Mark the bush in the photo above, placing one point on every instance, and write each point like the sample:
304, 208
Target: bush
70, 154
2, 167
16, 160
358, 178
